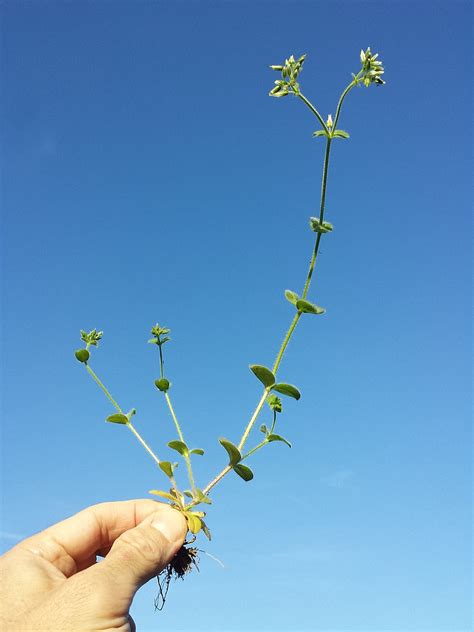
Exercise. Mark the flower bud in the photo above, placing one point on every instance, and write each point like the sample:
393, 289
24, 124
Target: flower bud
82, 355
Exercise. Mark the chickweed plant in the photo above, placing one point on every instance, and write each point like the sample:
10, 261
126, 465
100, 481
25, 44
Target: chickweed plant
191, 500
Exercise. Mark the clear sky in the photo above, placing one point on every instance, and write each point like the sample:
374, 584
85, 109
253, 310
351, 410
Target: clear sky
148, 177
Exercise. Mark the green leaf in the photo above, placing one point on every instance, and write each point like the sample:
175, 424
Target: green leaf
188, 493
243, 471
275, 403
264, 429
321, 132
167, 468
264, 375
202, 497
205, 530
159, 492
232, 450
82, 355
291, 296
118, 418
287, 389
340, 133
275, 437
196, 451
318, 227
308, 308
179, 446
194, 523
162, 384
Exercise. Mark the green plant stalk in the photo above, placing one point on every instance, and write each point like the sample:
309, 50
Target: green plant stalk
117, 407
294, 322
186, 456
313, 109
321, 217
253, 419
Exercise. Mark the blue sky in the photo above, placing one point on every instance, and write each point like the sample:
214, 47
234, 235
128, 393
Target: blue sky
148, 177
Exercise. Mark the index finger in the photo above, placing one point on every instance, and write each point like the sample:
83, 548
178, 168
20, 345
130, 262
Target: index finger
70, 542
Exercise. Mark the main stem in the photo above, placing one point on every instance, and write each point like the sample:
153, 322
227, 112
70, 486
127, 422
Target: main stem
297, 316
321, 217
186, 456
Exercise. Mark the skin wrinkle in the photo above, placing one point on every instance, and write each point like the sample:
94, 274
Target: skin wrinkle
51, 581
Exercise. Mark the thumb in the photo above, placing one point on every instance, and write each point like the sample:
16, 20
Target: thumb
142, 552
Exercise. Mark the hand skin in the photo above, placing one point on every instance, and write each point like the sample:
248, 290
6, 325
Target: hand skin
51, 581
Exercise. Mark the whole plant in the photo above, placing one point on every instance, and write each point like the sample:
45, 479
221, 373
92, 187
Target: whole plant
193, 498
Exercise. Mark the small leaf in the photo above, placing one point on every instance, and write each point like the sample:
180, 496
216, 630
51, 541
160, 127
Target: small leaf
264, 429
179, 446
194, 523
82, 355
243, 471
287, 389
196, 451
162, 384
275, 437
340, 133
318, 227
264, 375
291, 296
188, 493
167, 468
309, 308
159, 492
206, 531
232, 450
202, 497
118, 418
275, 403
321, 132
199, 514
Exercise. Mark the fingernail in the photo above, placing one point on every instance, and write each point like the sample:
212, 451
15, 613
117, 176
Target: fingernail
170, 524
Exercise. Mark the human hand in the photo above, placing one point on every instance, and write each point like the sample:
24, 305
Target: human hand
52, 582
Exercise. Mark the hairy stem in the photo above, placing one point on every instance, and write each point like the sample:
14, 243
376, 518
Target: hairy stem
143, 442
307, 284
313, 110
253, 419
186, 456
104, 389
117, 407
321, 217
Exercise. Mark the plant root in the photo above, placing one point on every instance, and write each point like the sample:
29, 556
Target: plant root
181, 564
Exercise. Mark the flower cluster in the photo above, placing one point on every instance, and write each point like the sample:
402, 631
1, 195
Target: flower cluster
91, 338
289, 72
372, 68
157, 332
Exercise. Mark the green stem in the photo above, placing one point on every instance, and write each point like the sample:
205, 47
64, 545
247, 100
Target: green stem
143, 442
253, 419
186, 456
117, 407
352, 84
285, 342
104, 389
257, 447
214, 481
161, 361
297, 316
313, 110
321, 217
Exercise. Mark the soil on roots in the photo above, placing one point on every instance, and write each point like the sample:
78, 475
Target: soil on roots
181, 564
